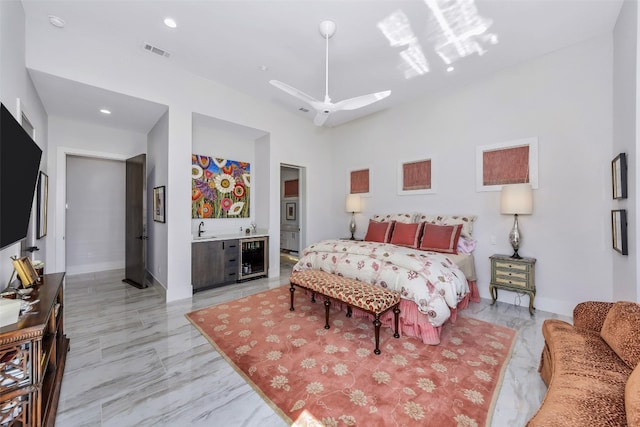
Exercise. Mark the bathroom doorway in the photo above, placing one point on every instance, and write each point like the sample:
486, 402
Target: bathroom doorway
292, 214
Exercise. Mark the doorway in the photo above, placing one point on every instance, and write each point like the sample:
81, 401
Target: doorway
292, 214
94, 215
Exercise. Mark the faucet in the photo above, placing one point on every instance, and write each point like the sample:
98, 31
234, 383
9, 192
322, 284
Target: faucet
200, 230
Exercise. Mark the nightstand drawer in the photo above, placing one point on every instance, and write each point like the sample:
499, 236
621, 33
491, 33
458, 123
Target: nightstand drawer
512, 274
512, 282
512, 265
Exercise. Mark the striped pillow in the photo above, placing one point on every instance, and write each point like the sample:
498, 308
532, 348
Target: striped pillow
379, 231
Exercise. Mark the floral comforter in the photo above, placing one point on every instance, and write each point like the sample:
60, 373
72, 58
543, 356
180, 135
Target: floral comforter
429, 279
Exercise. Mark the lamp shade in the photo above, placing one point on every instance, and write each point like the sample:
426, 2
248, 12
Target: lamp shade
516, 199
353, 203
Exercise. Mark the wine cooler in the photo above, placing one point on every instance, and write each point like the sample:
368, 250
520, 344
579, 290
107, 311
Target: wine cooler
254, 258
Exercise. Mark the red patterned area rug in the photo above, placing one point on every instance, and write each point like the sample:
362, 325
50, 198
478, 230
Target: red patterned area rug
317, 377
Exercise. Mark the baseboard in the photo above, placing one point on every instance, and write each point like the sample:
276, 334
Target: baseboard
159, 286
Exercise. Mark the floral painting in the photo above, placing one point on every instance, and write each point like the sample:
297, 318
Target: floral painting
220, 188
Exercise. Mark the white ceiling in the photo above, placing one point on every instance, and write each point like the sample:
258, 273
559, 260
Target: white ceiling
229, 42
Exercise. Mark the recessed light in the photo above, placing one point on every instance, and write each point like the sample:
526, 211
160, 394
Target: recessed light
264, 68
450, 69
56, 21
170, 22
105, 111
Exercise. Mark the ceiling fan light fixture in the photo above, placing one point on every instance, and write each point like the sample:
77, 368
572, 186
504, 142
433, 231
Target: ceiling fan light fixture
326, 107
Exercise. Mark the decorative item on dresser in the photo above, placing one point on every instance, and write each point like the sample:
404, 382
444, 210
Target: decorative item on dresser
33, 353
513, 274
516, 199
353, 206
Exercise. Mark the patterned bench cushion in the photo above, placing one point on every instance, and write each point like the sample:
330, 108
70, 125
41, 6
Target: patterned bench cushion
353, 292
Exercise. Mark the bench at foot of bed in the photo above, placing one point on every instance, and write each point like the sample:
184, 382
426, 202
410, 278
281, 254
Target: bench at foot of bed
370, 298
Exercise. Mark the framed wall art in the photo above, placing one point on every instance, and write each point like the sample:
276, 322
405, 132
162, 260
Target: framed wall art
358, 182
415, 177
290, 211
512, 162
43, 202
291, 188
220, 188
619, 176
619, 231
159, 204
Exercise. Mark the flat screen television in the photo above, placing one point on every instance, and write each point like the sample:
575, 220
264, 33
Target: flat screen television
19, 165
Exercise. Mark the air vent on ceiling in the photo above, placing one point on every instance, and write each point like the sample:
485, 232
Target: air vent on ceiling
153, 49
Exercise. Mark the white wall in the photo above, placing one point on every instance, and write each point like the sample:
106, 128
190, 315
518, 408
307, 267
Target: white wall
157, 171
16, 84
564, 99
95, 226
216, 138
625, 45
291, 139
72, 137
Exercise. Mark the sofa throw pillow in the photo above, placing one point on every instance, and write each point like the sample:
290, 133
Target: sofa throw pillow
621, 330
406, 235
632, 398
379, 231
440, 238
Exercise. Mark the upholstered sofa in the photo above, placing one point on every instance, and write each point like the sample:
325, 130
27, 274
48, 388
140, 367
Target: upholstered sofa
591, 367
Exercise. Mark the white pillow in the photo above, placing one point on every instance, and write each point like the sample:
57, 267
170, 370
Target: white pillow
405, 218
465, 220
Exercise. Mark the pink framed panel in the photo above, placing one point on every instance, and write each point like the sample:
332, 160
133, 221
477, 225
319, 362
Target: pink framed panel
359, 182
415, 177
512, 162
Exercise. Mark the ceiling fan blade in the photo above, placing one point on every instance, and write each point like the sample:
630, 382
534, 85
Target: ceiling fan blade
361, 101
296, 93
320, 118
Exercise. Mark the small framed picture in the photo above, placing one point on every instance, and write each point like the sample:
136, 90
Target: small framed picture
158, 204
619, 231
26, 273
290, 211
619, 176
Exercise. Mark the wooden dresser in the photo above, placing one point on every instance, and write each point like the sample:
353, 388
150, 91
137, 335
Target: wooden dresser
32, 358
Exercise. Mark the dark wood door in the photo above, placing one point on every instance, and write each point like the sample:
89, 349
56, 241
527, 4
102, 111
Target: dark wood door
135, 222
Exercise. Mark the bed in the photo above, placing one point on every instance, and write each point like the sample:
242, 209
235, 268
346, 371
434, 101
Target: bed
427, 259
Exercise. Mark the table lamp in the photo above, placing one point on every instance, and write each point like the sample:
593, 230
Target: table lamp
353, 206
516, 199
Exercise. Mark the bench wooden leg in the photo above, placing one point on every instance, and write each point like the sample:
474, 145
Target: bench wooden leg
313, 296
396, 313
327, 304
292, 289
349, 311
376, 324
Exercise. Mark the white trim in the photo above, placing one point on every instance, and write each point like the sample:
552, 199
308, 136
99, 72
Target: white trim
400, 179
533, 161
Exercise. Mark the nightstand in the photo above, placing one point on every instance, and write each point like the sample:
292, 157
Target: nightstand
513, 274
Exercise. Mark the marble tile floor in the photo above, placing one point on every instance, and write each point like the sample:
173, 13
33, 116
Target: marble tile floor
136, 361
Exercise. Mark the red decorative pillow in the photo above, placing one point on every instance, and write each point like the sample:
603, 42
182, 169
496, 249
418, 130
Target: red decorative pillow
379, 231
407, 234
440, 238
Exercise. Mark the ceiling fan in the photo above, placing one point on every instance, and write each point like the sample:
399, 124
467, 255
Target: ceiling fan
326, 107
